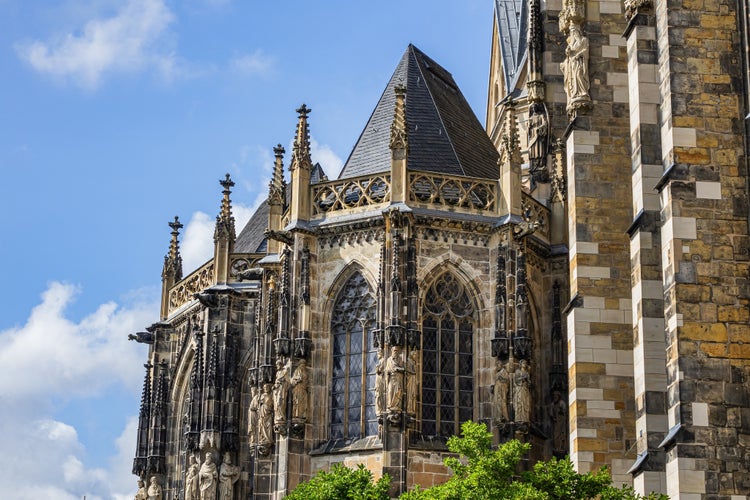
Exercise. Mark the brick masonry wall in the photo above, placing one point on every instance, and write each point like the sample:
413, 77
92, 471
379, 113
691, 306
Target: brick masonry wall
704, 239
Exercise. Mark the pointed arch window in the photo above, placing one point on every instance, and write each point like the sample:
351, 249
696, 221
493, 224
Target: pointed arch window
354, 360
447, 364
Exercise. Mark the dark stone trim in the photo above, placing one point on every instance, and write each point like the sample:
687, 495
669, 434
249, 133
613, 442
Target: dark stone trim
575, 301
637, 467
369, 443
671, 438
637, 223
572, 125
637, 20
665, 177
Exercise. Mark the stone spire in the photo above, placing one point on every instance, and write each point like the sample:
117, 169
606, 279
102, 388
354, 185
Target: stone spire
173, 260
144, 417
510, 162
277, 186
399, 139
224, 234
399, 144
535, 80
225, 219
300, 167
301, 156
172, 271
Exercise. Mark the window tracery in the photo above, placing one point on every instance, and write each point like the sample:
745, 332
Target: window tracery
447, 365
354, 360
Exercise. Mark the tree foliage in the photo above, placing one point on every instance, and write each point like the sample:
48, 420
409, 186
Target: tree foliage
481, 473
343, 483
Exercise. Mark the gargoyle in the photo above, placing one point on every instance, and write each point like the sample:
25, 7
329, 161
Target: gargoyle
142, 337
282, 236
252, 273
525, 228
207, 299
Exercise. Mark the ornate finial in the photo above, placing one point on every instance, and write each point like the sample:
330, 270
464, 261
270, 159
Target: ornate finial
301, 155
173, 260
399, 139
225, 219
509, 145
277, 186
559, 188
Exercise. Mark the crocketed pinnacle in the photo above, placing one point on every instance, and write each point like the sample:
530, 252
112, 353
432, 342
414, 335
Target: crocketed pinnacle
301, 156
399, 139
277, 186
225, 219
173, 260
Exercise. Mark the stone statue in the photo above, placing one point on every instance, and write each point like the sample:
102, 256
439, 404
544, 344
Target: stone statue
394, 368
299, 392
191, 479
538, 137
280, 391
228, 475
558, 413
500, 391
207, 478
411, 383
154, 489
252, 415
522, 392
141, 494
380, 384
265, 417
575, 69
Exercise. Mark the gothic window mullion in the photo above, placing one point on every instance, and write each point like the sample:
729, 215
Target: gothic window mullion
447, 386
353, 310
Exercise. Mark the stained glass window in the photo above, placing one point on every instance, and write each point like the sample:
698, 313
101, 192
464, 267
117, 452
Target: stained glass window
354, 359
447, 365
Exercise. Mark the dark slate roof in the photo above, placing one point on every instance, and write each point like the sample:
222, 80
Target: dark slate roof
317, 174
251, 238
444, 134
512, 26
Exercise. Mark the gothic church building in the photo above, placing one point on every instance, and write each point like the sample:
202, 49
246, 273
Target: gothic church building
573, 273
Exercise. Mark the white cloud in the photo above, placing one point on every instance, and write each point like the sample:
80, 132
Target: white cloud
52, 362
197, 245
126, 42
330, 161
255, 64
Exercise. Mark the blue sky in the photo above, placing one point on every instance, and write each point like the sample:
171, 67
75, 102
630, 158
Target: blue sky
116, 115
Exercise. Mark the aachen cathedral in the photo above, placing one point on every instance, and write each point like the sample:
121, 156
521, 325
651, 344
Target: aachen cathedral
573, 273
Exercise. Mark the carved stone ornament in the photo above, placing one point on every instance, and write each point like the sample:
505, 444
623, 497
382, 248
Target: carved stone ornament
632, 7
191, 479
228, 475
154, 489
252, 416
381, 384
500, 392
265, 420
558, 413
280, 392
538, 139
522, 393
394, 369
412, 391
141, 494
299, 384
575, 69
207, 478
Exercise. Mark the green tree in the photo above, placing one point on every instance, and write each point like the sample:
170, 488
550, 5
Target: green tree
481, 473
343, 483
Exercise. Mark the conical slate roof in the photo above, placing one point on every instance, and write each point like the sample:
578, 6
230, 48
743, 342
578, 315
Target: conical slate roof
444, 134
